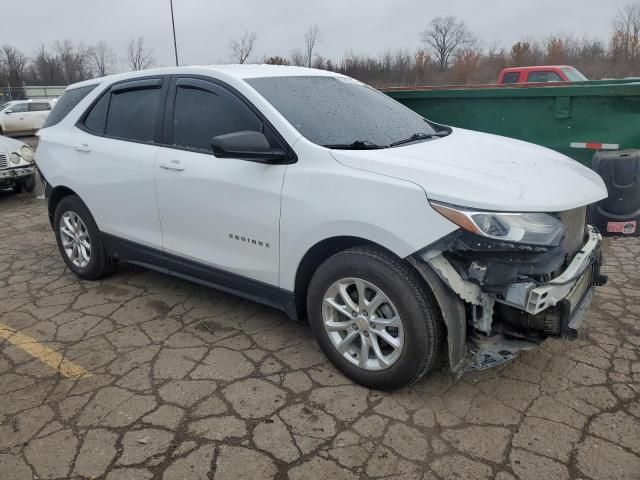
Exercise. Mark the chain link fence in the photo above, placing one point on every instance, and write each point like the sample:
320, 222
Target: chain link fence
24, 92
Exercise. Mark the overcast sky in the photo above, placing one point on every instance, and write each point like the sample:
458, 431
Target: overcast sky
204, 27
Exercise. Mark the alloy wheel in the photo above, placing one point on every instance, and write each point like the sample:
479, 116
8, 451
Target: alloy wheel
75, 239
362, 324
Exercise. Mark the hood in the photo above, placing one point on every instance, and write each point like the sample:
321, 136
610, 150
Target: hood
8, 145
483, 171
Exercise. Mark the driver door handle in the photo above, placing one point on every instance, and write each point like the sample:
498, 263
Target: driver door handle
172, 165
83, 147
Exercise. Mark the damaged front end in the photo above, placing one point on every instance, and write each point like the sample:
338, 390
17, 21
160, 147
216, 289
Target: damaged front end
504, 284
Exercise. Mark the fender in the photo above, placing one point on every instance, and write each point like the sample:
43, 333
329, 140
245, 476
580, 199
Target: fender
453, 314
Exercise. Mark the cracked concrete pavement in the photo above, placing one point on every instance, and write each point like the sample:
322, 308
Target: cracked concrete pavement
186, 382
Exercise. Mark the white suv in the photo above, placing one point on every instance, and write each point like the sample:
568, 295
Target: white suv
23, 117
399, 239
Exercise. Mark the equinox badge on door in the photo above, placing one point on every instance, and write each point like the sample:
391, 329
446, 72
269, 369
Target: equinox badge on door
251, 241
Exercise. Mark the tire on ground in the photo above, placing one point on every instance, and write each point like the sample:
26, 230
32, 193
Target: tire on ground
421, 319
99, 264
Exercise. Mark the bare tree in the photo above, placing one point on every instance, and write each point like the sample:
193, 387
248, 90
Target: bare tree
444, 37
276, 60
525, 52
73, 60
138, 56
466, 65
446, 45
625, 44
311, 40
102, 59
557, 50
45, 68
297, 58
13, 64
242, 48
421, 62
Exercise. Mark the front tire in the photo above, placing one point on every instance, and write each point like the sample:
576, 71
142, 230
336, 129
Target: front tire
79, 240
17, 186
374, 318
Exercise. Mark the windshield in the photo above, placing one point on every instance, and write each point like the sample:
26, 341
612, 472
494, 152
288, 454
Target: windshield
4, 105
335, 111
574, 75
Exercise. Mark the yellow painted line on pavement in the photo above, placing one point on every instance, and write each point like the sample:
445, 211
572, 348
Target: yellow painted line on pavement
43, 353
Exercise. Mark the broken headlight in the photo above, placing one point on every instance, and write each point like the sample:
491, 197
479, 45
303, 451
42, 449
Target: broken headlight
529, 228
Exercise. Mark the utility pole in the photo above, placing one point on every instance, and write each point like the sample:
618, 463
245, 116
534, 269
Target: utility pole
173, 25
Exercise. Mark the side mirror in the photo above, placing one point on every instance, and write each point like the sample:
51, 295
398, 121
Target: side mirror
246, 145
7, 112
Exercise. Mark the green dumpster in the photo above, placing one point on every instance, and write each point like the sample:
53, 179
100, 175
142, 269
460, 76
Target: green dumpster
576, 119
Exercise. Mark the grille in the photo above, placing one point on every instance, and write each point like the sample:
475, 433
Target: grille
575, 222
3, 161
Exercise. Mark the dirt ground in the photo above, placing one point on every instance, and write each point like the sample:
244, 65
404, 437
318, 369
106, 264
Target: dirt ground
144, 376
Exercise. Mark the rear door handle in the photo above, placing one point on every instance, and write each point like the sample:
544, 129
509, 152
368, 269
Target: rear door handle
83, 147
172, 165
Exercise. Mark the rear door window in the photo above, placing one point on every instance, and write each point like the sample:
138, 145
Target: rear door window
511, 77
127, 111
96, 119
39, 106
133, 112
66, 103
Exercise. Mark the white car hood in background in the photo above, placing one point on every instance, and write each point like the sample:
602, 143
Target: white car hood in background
8, 145
485, 171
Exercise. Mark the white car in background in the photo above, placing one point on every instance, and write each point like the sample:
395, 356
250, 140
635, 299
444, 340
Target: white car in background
17, 169
23, 117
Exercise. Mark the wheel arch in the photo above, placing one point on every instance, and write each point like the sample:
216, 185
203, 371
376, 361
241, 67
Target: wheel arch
451, 307
55, 196
314, 257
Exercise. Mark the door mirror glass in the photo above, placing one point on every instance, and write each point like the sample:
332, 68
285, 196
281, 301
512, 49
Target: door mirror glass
246, 145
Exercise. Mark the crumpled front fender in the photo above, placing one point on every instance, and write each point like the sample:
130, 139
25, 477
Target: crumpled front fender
453, 314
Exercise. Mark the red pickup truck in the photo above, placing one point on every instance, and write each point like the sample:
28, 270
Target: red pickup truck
547, 73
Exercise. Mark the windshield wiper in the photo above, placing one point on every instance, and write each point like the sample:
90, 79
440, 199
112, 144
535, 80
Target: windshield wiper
357, 145
420, 136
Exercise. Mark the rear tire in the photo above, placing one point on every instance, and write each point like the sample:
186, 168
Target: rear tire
79, 240
406, 326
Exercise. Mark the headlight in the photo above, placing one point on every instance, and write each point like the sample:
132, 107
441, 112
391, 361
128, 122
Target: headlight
26, 152
530, 228
15, 158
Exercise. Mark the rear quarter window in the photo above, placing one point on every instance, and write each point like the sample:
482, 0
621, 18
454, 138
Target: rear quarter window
97, 116
66, 103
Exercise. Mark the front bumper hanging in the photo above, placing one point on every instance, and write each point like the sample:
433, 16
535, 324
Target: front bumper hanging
497, 326
14, 173
577, 276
